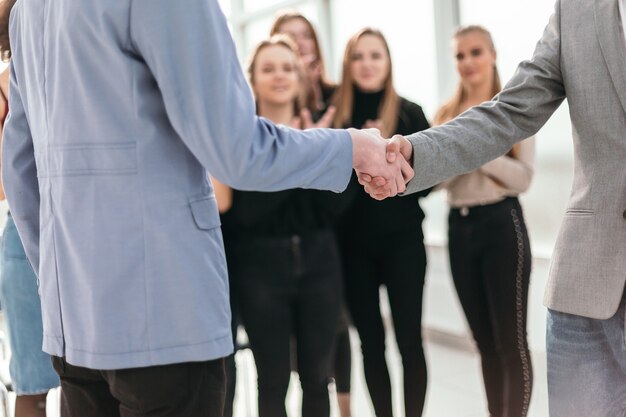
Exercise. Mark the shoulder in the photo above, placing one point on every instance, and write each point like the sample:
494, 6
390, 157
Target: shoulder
411, 110
409, 106
412, 115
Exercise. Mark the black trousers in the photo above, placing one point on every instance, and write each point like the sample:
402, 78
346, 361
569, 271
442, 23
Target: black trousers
490, 261
191, 389
342, 359
290, 288
401, 270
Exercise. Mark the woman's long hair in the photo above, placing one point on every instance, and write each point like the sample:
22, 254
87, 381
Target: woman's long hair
285, 42
5, 46
286, 16
452, 108
344, 97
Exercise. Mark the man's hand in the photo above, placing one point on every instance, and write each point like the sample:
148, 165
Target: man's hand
377, 161
377, 186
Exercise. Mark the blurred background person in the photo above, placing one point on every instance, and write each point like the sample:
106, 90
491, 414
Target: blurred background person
319, 112
224, 197
287, 267
32, 375
490, 256
382, 243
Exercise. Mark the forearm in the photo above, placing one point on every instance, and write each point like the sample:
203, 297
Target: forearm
211, 107
490, 130
510, 173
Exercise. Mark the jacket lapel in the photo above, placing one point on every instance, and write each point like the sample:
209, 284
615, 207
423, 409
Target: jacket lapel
611, 38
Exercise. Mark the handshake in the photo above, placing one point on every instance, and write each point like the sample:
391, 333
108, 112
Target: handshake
382, 166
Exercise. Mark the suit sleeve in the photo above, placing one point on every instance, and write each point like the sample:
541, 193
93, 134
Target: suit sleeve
485, 132
19, 173
188, 49
418, 122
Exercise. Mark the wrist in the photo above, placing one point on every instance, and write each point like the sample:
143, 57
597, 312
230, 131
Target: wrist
357, 157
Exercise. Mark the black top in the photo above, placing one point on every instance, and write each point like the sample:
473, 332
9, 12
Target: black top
393, 221
282, 213
327, 96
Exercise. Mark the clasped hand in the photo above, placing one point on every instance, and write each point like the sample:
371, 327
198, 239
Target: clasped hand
383, 167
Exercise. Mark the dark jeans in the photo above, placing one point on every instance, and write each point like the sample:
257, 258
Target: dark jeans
342, 361
191, 389
490, 261
401, 270
290, 287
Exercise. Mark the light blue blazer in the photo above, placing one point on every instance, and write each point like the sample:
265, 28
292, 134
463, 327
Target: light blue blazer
118, 109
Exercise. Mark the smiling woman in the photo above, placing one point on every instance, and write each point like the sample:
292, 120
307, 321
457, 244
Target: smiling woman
388, 251
489, 249
367, 69
277, 80
283, 259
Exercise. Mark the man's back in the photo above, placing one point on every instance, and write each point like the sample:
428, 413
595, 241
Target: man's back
127, 102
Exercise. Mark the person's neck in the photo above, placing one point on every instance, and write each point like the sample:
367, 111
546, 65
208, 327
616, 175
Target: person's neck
368, 93
281, 114
476, 95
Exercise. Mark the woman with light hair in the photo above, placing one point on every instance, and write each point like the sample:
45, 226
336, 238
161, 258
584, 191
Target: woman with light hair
489, 249
283, 256
382, 243
318, 110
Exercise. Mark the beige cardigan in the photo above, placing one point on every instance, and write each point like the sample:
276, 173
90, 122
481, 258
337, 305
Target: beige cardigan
503, 177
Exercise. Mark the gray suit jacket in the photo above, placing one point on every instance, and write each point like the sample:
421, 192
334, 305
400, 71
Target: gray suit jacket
581, 56
117, 110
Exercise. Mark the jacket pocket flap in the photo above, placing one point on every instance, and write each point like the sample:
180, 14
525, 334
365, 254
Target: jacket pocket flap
205, 214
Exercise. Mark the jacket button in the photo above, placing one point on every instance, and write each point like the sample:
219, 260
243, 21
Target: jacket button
624, 214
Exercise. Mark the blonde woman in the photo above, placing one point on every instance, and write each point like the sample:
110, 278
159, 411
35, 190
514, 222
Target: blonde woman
382, 243
284, 259
488, 243
317, 110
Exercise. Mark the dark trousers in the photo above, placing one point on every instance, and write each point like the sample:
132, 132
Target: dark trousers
401, 270
191, 389
490, 261
342, 360
291, 288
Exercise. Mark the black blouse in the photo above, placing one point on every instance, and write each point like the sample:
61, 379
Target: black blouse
394, 221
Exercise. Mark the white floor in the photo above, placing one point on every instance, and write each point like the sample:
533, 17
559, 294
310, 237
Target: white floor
454, 386
454, 390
